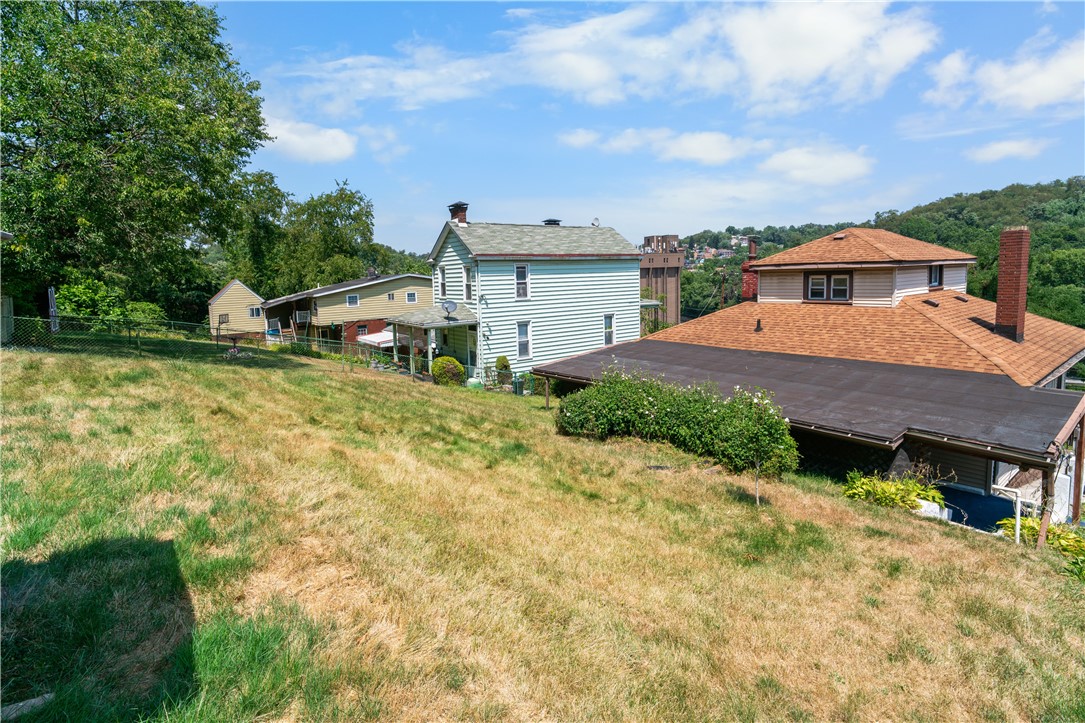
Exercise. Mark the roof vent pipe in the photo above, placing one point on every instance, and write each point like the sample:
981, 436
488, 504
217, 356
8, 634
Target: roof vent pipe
458, 210
551, 222
758, 327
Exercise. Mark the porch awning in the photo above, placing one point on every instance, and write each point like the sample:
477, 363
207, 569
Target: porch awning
381, 340
435, 318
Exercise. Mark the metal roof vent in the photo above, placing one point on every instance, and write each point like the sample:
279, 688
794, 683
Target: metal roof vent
551, 222
839, 236
932, 302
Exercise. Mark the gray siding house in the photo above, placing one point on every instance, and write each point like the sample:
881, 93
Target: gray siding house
531, 293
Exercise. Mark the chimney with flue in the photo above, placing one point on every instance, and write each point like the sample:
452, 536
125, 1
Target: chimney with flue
458, 211
1013, 249
749, 276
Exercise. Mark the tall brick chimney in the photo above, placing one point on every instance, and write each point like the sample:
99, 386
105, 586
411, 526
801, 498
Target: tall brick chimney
458, 211
749, 277
1013, 247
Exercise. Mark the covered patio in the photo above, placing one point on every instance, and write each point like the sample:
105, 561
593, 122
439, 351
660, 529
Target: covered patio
454, 334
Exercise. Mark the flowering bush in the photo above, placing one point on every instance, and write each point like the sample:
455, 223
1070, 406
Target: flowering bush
744, 431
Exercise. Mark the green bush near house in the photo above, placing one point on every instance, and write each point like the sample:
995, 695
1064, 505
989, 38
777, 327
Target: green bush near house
504, 370
745, 431
1067, 540
448, 372
904, 492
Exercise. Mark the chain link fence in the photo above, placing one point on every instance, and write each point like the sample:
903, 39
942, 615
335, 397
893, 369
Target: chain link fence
220, 344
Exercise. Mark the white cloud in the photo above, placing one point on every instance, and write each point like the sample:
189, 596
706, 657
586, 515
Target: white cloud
819, 165
1023, 148
579, 138
309, 142
708, 148
383, 142
1033, 80
951, 75
774, 58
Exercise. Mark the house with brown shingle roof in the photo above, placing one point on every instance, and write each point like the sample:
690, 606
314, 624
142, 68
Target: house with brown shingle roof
870, 338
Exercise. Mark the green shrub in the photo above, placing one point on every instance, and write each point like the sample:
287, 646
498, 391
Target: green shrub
1066, 539
448, 372
905, 491
745, 431
504, 370
297, 348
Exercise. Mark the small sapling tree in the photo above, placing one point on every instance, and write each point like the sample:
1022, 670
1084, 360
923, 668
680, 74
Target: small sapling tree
757, 437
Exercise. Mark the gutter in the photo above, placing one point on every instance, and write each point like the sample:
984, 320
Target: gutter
860, 264
987, 451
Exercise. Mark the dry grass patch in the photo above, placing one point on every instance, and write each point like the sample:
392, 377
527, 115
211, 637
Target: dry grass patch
413, 552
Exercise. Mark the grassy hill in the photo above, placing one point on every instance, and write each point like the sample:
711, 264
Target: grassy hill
213, 541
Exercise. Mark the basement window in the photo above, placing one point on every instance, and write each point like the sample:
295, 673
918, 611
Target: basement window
934, 277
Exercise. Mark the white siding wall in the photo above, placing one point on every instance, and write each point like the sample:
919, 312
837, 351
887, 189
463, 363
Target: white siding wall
568, 299
955, 277
873, 287
780, 287
910, 280
453, 257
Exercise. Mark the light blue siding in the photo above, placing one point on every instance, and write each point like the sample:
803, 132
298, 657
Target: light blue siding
567, 301
453, 256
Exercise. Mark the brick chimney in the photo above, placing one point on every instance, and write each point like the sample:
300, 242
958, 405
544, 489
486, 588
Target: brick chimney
1013, 247
749, 277
458, 211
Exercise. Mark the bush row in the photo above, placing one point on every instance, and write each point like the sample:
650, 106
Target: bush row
744, 431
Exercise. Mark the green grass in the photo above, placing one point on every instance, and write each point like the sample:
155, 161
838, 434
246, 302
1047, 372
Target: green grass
196, 540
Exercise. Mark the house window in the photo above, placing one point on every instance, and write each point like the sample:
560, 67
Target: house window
444, 338
352, 299
443, 282
521, 281
363, 329
608, 329
224, 319
828, 287
468, 291
255, 312
523, 339
302, 317
412, 297
392, 297
934, 276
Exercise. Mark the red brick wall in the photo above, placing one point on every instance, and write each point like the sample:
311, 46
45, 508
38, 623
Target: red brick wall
1013, 249
350, 329
749, 283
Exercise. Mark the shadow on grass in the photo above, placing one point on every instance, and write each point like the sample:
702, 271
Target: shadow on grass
106, 627
743, 497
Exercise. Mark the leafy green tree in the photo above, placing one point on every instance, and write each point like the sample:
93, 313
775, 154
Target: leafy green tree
124, 126
256, 235
757, 436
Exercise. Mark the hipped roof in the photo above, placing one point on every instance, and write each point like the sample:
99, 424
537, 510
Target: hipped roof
862, 246
955, 334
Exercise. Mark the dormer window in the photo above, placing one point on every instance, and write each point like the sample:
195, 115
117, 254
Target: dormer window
828, 287
934, 277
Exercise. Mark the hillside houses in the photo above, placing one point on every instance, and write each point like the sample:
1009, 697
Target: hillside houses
877, 354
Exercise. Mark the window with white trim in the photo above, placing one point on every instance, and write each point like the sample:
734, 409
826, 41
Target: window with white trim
522, 276
255, 312
934, 276
828, 287
608, 329
392, 296
363, 329
442, 282
412, 297
523, 340
468, 287
352, 299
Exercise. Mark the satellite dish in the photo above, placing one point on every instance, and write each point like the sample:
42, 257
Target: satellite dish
595, 221
449, 306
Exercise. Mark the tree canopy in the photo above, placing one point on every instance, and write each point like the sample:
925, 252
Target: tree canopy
124, 127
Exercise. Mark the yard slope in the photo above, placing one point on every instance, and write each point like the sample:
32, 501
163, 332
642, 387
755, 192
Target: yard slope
207, 541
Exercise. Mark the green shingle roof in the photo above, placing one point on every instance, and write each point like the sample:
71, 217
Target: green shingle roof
508, 239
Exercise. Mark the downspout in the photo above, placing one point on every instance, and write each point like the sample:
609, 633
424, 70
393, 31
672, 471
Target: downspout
479, 361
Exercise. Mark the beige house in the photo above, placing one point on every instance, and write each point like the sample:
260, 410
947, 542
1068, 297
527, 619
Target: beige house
349, 309
236, 311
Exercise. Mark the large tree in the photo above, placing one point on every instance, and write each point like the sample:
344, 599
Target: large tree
124, 127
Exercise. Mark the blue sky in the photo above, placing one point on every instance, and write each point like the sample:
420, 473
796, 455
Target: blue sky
661, 118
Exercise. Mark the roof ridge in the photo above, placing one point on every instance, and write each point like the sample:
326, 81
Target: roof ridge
878, 245
995, 359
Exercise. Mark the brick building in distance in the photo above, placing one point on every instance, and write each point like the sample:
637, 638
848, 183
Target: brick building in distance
661, 273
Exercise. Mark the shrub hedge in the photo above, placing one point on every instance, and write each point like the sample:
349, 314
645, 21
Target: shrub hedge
448, 372
743, 431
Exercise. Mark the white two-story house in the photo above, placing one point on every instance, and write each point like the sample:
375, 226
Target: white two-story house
530, 293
